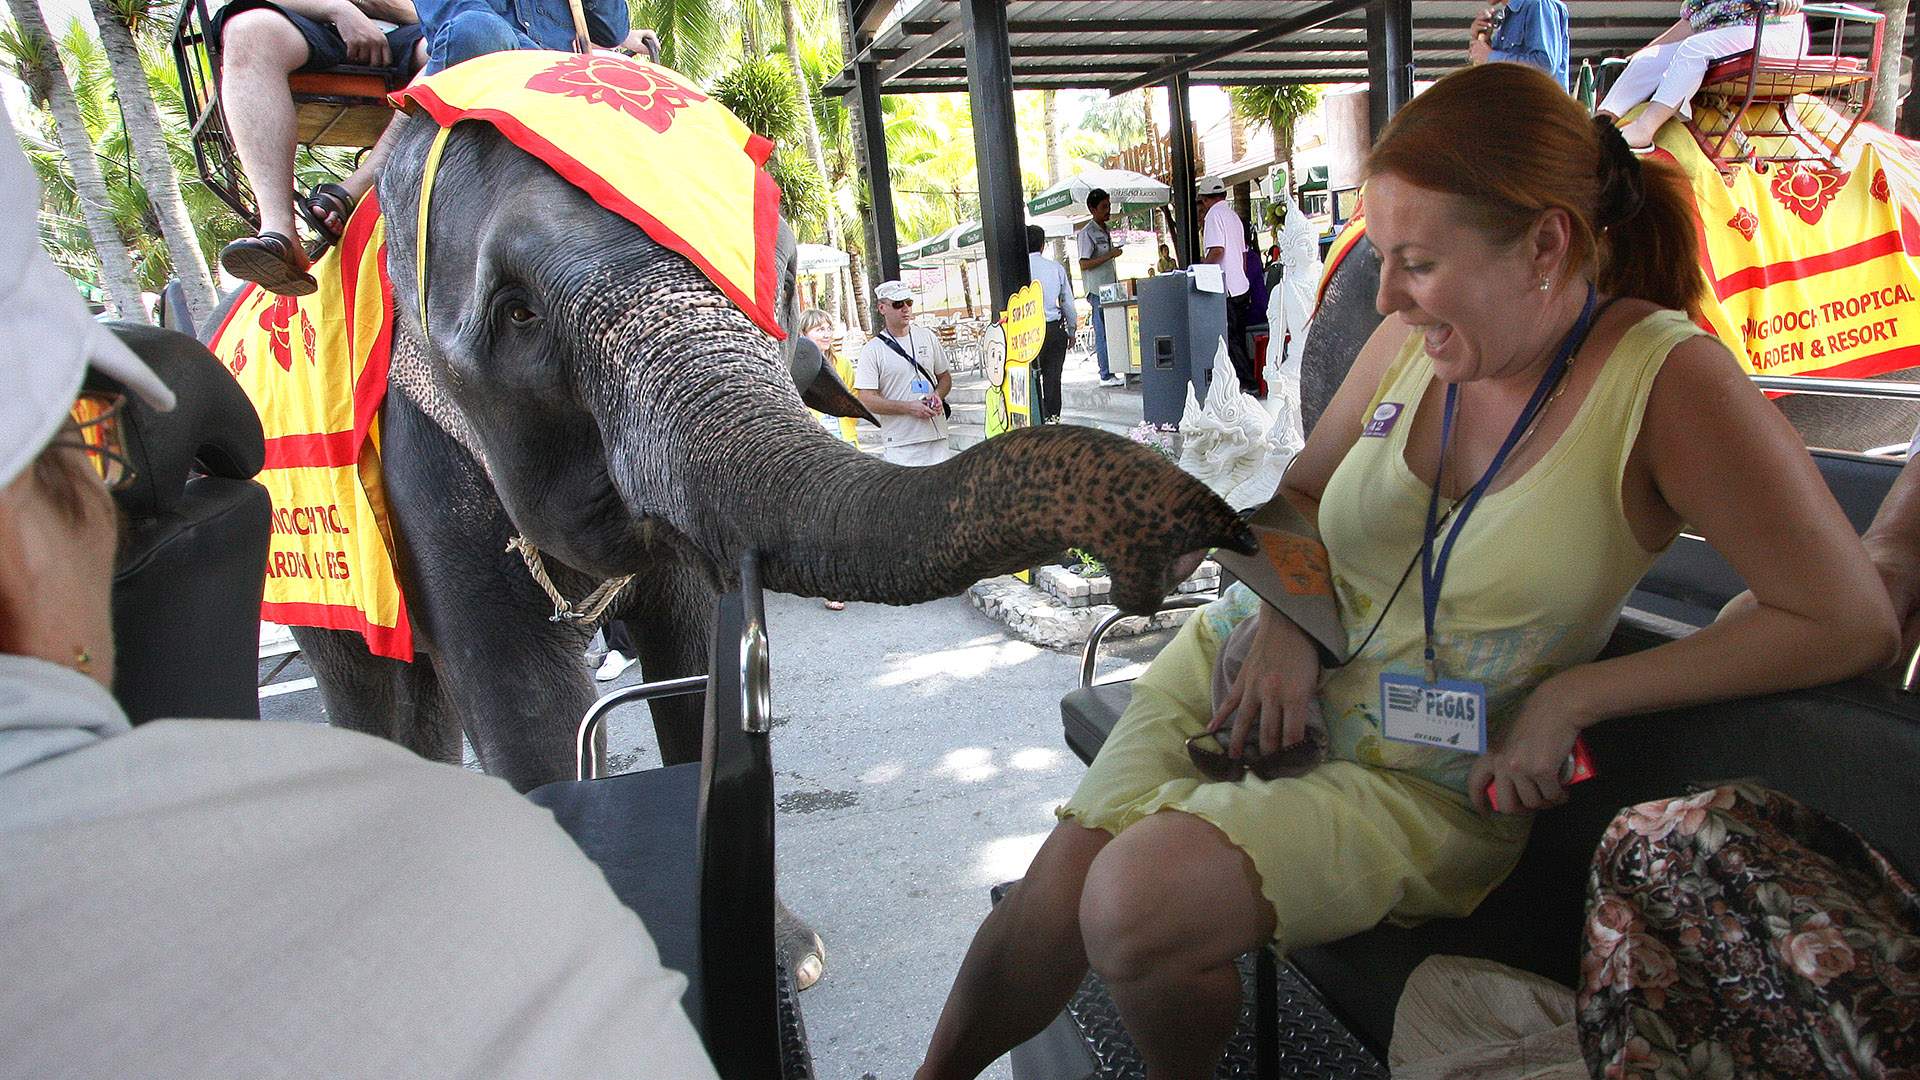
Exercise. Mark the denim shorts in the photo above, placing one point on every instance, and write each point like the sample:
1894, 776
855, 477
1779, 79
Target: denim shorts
326, 50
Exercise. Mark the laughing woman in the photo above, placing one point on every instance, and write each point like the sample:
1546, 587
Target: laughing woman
1544, 419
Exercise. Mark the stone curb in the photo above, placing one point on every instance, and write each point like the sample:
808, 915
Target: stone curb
1038, 619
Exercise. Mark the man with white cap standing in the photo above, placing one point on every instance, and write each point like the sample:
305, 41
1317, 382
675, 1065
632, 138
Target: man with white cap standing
1223, 242
215, 898
902, 376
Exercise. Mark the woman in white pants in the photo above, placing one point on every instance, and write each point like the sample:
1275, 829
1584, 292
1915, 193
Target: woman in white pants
1669, 69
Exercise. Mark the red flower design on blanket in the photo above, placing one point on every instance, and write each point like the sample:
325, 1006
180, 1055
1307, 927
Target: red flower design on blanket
1807, 192
642, 92
1879, 188
277, 320
1744, 223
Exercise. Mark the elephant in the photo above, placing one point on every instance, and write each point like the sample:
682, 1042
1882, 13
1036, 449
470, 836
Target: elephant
593, 392
1347, 316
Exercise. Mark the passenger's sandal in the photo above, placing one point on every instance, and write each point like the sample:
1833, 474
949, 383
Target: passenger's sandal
270, 260
325, 200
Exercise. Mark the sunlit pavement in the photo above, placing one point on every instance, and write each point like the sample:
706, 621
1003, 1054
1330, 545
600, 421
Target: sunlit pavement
919, 759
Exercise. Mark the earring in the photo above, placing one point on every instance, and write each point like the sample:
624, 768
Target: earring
1546, 283
82, 659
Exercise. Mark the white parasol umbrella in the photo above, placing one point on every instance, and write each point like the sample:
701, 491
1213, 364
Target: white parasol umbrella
1129, 190
818, 259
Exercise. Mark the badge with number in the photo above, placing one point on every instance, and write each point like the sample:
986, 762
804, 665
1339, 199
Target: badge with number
1448, 713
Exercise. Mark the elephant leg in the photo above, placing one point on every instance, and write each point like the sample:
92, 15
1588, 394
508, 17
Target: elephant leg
380, 696
515, 680
671, 616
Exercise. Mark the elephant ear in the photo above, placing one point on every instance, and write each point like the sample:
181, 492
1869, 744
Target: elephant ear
819, 387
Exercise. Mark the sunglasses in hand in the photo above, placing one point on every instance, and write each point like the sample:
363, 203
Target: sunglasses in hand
1210, 752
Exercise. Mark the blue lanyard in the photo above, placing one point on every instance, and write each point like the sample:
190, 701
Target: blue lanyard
1432, 569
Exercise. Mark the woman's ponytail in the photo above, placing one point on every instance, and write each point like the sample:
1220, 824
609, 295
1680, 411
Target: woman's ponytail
1645, 220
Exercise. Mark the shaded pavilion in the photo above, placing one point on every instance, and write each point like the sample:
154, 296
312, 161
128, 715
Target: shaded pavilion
990, 48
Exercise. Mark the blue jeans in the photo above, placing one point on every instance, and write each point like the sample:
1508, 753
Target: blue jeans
458, 30
1099, 334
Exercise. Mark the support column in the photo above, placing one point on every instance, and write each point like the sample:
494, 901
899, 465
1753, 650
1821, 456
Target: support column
1186, 231
1908, 126
1389, 60
983, 27
883, 240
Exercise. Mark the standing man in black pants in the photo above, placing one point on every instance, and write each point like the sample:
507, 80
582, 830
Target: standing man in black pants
1223, 240
1063, 322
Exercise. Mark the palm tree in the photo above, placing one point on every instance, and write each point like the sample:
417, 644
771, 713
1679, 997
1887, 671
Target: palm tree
118, 21
1893, 46
38, 63
816, 154
693, 33
1278, 108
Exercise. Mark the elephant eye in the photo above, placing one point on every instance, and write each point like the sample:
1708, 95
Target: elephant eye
518, 312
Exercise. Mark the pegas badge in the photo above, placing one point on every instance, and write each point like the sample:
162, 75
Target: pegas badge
1450, 714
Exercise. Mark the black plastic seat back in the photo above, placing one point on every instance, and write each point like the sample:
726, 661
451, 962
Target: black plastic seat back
186, 594
739, 961
1691, 582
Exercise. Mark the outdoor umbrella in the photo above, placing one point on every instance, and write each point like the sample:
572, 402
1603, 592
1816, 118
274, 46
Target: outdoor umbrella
818, 259
1129, 190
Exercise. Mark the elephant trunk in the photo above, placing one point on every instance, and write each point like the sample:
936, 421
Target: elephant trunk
829, 521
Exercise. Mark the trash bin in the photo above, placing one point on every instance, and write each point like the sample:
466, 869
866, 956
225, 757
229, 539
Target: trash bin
1181, 327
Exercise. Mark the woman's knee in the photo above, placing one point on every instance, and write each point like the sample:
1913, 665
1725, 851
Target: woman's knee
1170, 894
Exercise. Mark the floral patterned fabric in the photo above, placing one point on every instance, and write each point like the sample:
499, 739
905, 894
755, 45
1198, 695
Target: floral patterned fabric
1706, 15
1738, 933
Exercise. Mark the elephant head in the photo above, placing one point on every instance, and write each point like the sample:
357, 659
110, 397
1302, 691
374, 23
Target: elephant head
620, 402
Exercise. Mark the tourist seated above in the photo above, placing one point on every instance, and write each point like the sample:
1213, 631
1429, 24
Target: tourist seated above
460, 30
1668, 71
1533, 423
262, 42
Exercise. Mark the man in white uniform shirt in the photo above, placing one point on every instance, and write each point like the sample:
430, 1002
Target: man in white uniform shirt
1223, 241
1097, 253
902, 377
1063, 322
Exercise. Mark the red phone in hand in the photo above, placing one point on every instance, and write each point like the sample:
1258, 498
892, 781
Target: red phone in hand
1577, 767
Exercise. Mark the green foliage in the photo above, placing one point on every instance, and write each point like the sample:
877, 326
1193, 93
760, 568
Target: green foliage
803, 194
693, 33
1117, 120
761, 93
1278, 108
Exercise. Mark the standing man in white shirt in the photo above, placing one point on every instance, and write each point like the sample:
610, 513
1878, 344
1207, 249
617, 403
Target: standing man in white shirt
1223, 241
1097, 253
902, 376
1063, 322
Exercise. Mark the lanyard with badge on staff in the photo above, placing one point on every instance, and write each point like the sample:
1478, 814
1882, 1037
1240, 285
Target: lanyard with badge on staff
1452, 713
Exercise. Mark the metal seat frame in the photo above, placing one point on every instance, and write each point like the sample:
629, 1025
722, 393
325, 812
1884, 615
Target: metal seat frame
336, 108
1732, 131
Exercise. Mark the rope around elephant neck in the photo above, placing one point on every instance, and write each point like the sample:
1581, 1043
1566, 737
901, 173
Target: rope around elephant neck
589, 609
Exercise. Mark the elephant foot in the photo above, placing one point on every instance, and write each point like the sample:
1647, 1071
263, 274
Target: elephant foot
805, 953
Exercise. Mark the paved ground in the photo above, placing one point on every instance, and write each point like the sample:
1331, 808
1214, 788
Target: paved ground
919, 759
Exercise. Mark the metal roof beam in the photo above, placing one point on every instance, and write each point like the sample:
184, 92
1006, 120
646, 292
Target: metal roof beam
1295, 48
907, 61
1306, 21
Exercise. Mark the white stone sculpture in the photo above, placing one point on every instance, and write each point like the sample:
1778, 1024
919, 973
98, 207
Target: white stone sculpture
1290, 307
1224, 441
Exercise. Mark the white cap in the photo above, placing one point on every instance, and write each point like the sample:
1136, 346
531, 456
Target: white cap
1210, 185
47, 339
892, 290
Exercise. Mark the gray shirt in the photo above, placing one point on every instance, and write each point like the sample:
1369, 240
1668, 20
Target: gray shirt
228, 898
1095, 240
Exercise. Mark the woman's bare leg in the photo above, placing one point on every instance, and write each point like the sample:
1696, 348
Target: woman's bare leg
1024, 963
1166, 908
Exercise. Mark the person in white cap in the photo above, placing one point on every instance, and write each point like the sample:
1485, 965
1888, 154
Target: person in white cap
902, 376
1223, 242
219, 898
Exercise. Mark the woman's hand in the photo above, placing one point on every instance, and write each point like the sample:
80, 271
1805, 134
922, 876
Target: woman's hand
1525, 767
1275, 687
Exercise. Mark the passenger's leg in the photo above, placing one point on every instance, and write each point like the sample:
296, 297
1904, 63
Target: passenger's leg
1024, 963
1165, 910
472, 32
259, 49
1636, 84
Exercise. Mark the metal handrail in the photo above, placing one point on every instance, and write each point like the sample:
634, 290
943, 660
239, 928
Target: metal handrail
589, 757
1852, 388
1090, 654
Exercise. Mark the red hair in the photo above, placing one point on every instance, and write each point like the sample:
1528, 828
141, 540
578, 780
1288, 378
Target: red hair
1512, 144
